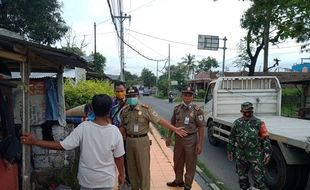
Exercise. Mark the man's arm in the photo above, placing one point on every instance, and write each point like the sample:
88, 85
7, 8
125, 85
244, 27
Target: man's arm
200, 140
28, 139
231, 143
119, 162
180, 131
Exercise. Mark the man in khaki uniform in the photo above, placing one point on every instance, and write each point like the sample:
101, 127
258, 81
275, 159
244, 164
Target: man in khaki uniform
189, 116
135, 119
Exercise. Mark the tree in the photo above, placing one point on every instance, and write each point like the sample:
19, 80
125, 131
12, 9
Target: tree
177, 73
98, 65
71, 44
243, 60
131, 79
39, 21
274, 21
189, 61
206, 64
148, 78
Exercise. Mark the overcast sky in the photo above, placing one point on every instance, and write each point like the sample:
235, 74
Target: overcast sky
157, 23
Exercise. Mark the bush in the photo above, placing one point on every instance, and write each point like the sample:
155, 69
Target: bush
83, 92
201, 94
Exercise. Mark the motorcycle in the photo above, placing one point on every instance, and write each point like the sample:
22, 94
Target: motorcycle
170, 98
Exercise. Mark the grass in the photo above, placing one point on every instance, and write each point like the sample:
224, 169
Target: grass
208, 173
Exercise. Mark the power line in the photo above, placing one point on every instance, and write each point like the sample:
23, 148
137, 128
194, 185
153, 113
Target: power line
158, 38
124, 41
146, 45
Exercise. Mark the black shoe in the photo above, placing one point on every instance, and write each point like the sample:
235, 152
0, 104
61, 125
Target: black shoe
174, 184
187, 187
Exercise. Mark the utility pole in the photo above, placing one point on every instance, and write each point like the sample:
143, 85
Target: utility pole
169, 82
94, 40
157, 74
224, 50
121, 19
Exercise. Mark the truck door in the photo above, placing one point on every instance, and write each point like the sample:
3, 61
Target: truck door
209, 100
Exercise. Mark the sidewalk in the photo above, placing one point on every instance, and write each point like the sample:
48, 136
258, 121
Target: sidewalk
162, 164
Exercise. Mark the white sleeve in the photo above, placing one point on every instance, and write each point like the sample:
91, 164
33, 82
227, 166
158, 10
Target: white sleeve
118, 150
73, 140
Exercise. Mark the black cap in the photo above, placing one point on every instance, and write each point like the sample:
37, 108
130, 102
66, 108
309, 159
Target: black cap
132, 90
246, 106
188, 90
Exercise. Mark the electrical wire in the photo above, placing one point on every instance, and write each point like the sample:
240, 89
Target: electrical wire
146, 45
126, 42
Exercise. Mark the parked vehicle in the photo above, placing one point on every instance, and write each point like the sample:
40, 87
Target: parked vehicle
290, 137
146, 92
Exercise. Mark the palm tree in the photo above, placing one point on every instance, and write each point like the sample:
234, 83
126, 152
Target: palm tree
189, 62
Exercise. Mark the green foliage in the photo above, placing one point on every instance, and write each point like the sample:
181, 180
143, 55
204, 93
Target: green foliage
163, 86
206, 64
39, 21
286, 19
148, 78
201, 94
291, 91
75, 50
131, 79
98, 64
189, 61
83, 92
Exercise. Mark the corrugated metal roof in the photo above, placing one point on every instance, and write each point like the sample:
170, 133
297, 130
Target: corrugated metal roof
42, 58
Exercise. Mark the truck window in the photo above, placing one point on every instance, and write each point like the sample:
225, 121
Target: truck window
209, 94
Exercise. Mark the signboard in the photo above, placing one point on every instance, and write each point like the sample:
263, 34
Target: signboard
207, 42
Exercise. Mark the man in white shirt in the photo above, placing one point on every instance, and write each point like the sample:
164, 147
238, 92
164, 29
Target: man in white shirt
101, 146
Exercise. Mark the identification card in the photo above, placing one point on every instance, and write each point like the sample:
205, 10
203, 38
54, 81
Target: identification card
186, 120
136, 128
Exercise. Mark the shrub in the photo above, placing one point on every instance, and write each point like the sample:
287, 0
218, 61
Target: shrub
83, 92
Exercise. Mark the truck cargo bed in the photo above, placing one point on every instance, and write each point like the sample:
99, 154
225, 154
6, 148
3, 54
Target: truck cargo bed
291, 131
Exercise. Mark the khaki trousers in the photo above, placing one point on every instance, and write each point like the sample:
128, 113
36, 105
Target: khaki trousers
185, 154
138, 162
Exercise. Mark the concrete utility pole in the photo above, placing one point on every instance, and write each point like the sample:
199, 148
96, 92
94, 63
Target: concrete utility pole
121, 19
157, 74
224, 50
169, 82
95, 50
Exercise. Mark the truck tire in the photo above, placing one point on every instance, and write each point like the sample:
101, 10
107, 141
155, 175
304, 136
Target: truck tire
302, 179
278, 175
212, 140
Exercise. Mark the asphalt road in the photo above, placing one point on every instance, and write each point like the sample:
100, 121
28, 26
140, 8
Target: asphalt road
213, 157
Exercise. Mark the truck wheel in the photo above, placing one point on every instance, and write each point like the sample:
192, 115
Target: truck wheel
278, 175
302, 179
212, 140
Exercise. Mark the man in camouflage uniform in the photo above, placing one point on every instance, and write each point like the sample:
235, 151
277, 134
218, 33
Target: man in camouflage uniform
186, 150
249, 144
135, 119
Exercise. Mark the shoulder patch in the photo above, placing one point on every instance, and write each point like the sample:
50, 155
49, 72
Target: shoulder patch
197, 108
177, 106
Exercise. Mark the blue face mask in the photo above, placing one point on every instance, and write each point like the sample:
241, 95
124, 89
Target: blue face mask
132, 101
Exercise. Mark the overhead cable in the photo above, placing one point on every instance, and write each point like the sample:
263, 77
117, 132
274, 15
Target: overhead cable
126, 42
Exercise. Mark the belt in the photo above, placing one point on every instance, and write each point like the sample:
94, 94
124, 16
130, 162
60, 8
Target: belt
137, 136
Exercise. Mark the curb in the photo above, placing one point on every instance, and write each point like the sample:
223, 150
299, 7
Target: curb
212, 185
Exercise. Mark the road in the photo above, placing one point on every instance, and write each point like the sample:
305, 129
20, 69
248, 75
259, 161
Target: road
213, 157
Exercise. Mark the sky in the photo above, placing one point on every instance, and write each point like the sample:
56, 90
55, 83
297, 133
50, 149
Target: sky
155, 24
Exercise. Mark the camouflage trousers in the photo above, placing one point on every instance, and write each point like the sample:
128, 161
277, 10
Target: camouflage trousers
243, 167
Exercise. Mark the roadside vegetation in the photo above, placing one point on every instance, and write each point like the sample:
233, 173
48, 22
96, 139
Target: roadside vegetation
290, 101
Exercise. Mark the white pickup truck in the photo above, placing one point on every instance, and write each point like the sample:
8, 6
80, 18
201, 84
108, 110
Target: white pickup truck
290, 137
